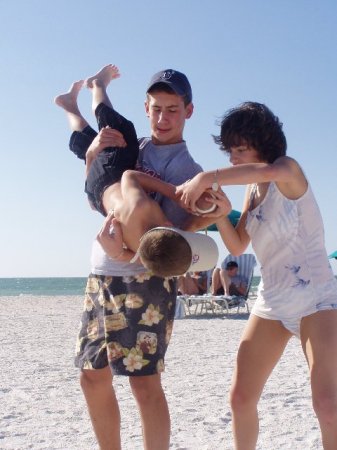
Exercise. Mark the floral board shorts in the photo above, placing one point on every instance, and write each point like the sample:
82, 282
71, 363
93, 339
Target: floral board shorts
127, 323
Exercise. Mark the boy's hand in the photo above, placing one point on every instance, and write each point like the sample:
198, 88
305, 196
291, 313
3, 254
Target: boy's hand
177, 198
110, 237
191, 190
107, 137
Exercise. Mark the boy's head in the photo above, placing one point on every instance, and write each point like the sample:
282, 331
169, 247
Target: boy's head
168, 105
232, 268
172, 252
254, 125
172, 82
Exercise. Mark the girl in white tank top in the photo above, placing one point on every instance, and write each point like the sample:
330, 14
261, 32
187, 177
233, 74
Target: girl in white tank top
298, 291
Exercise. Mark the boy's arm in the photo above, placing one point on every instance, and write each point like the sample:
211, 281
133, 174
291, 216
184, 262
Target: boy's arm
148, 183
197, 223
112, 243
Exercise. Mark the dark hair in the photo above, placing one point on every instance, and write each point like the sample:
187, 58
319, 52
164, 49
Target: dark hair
163, 87
231, 264
255, 125
165, 252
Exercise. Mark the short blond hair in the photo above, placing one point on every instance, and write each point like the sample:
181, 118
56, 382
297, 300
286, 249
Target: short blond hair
165, 252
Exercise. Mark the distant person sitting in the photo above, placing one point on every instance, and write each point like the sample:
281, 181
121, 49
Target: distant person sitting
227, 281
193, 283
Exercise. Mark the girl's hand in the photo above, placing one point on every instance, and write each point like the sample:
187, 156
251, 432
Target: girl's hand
220, 199
190, 191
110, 236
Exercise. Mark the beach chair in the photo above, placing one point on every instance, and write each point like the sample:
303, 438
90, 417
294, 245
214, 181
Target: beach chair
180, 310
194, 304
221, 303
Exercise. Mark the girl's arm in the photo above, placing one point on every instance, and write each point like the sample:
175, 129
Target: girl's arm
284, 171
235, 239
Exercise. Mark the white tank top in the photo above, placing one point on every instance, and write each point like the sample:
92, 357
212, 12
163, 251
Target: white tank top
288, 239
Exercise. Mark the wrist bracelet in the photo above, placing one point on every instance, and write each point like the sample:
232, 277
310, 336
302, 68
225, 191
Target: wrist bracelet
215, 184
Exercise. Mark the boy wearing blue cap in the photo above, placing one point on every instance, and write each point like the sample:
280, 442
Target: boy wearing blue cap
128, 315
124, 197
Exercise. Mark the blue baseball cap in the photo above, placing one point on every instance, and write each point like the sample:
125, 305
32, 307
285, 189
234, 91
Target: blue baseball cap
177, 81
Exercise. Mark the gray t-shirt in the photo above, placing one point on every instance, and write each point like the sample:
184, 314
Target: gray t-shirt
172, 163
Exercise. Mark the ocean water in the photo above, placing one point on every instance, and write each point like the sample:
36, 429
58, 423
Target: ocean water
50, 286
42, 286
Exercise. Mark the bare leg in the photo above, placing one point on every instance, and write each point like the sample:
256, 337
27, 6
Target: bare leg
154, 412
216, 283
319, 342
188, 285
262, 345
99, 82
102, 406
68, 102
225, 281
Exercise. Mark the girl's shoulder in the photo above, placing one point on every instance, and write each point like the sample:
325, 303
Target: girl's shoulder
287, 168
287, 160
292, 182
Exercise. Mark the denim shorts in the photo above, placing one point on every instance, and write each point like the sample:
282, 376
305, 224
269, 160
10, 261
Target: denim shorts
109, 165
126, 323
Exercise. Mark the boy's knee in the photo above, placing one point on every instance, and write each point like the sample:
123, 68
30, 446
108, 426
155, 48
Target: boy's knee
147, 388
95, 379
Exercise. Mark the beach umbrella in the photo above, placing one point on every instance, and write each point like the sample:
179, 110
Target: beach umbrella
333, 255
233, 216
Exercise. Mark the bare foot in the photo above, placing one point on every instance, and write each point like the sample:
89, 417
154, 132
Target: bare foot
68, 101
104, 76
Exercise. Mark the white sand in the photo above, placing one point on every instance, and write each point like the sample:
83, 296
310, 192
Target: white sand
42, 405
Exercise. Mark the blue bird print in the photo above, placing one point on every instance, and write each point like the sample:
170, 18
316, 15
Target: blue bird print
293, 269
301, 283
259, 215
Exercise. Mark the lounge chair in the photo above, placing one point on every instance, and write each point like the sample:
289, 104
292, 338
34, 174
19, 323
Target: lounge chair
221, 303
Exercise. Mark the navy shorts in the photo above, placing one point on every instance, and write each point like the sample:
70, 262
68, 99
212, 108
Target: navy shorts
126, 323
109, 165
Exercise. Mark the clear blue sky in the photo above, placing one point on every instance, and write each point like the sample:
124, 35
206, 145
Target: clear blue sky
282, 53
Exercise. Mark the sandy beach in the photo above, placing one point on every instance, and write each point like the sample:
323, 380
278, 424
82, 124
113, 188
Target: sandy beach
42, 406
